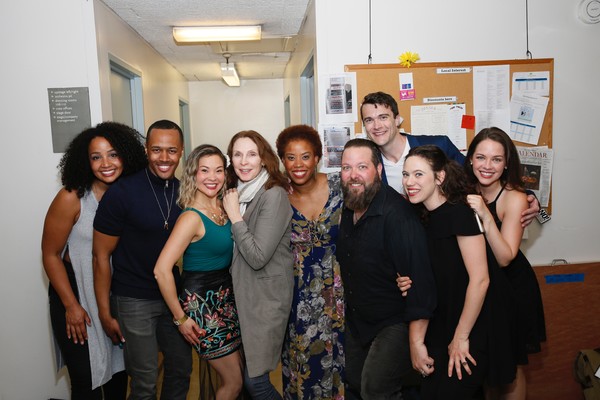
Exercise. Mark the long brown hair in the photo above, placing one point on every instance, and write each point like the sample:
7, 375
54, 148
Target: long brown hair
267, 156
511, 175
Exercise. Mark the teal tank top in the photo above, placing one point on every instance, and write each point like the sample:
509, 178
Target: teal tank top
214, 251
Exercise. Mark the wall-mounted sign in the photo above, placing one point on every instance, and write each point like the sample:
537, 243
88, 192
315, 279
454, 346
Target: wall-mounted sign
69, 114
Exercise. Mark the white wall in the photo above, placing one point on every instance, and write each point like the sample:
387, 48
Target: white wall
59, 50
304, 50
44, 45
162, 85
459, 30
218, 112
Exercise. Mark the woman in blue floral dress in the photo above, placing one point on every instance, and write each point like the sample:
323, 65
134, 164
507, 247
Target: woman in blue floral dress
313, 354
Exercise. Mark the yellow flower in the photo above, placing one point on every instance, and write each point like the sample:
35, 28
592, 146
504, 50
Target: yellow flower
408, 58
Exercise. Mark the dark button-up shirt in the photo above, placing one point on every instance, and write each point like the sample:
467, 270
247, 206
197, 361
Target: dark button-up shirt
388, 239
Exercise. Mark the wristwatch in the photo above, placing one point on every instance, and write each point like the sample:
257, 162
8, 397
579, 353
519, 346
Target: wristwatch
181, 320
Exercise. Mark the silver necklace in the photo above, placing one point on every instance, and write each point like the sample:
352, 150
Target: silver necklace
169, 203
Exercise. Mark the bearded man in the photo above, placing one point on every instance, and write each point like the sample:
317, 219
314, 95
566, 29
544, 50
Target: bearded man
380, 238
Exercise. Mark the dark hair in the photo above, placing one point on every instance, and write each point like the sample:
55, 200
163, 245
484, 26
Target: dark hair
75, 170
380, 99
267, 156
375, 153
299, 132
187, 187
512, 173
164, 124
455, 186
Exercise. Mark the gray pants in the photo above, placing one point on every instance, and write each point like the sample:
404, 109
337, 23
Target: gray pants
148, 328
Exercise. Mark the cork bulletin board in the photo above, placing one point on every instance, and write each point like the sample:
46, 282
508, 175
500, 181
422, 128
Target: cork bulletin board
384, 77
431, 84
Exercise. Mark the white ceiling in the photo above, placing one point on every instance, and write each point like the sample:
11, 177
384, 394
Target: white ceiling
280, 20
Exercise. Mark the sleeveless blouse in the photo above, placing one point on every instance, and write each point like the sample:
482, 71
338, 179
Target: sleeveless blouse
106, 359
214, 251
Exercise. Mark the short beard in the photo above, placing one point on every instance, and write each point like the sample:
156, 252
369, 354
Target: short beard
360, 201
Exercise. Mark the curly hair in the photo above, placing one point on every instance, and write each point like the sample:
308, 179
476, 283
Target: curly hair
267, 156
455, 186
75, 170
511, 175
187, 188
299, 133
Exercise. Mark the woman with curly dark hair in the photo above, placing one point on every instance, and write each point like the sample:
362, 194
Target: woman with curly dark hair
469, 340
312, 361
95, 159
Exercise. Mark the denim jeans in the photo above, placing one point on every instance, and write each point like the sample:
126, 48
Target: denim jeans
375, 371
260, 387
148, 328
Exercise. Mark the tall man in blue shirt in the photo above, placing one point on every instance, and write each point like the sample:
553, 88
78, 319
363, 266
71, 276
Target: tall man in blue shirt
132, 224
380, 117
381, 237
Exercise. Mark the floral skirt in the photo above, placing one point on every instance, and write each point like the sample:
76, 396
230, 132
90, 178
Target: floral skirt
208, 299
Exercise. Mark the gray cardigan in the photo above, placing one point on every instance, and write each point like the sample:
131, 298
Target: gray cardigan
262, 272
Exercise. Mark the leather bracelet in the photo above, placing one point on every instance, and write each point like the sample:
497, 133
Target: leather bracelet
181, 320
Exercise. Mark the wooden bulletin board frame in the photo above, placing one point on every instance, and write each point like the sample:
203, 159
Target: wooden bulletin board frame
384, 77
428, 83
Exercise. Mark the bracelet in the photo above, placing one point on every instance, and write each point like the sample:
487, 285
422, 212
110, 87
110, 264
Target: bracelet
181, 320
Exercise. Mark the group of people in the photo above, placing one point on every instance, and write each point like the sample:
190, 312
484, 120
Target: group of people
265, 253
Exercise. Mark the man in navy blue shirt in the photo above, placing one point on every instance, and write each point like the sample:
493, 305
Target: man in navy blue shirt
132, 224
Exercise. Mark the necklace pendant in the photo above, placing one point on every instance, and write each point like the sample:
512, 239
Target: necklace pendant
166, 226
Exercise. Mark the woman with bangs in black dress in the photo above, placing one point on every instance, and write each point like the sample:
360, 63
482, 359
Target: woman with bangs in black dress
470, 337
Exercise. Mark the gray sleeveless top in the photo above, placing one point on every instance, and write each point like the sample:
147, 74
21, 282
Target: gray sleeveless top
106, 359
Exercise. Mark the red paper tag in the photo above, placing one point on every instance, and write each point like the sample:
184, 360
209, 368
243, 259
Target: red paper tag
468, 122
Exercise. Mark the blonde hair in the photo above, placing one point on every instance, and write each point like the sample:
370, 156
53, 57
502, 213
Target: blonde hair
187, 188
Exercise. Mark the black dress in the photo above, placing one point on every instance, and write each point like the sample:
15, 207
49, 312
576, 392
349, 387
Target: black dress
491, 341
531, 325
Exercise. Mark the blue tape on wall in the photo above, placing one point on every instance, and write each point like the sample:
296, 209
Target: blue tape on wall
563, 278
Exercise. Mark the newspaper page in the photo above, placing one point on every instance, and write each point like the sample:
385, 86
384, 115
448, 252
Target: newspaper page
536, 171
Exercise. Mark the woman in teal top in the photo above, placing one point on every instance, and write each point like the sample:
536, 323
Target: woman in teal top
202, 235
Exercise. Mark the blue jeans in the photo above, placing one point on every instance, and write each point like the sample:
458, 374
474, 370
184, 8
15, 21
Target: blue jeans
375, 370
260, 387
148, 328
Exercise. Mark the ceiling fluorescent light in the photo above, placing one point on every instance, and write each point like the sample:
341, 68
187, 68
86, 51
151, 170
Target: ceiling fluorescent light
229, 74
191, 34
